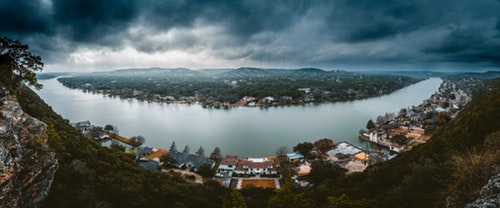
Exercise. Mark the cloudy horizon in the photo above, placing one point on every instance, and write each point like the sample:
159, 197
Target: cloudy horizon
93, 35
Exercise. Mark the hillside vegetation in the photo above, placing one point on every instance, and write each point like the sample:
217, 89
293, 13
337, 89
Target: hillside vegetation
448, 170
93, 176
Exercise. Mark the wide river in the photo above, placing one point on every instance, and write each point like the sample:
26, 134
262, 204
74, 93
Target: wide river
244, 131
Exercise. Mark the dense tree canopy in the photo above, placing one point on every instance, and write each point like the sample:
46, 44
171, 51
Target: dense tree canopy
18, 64
138, 139
324, 145
287, 197
303, 148
111, 129
370, 125
400, 139
206, 170
321, 170
231, 85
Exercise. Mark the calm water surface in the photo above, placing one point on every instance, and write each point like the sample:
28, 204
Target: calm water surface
247, 132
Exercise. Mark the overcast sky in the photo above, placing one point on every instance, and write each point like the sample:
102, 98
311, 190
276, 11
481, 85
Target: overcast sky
88, 35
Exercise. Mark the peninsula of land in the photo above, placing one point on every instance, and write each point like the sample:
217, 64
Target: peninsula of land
225, 88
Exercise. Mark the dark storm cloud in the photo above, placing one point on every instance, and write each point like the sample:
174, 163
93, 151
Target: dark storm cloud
241, 19
371, 21
359, 21
23, 17
94, 21
301, 32
469, 44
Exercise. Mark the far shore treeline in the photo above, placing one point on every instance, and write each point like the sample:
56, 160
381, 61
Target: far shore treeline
242, 86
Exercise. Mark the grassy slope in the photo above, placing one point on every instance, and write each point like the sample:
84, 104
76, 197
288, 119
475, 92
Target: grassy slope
91, 175
421, 177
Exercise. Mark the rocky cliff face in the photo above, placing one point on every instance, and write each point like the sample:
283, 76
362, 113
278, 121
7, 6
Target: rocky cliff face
27, 166
489, 194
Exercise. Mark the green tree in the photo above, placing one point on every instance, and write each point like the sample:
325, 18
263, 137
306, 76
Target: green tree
95, 132
115, 146
321, 170
399, 139
138, 138
200, 152
303, 148
370, 125
111, 129
216, 154
344, 201
108, 128
236, 201
285, 197
168, 161
173, 147
206, 170
18, 64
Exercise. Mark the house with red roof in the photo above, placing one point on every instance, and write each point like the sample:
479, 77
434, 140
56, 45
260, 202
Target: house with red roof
255, 166
228, 164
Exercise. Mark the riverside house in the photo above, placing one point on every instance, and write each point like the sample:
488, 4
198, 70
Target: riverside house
294, 157
228, 164
190, 160
256, 166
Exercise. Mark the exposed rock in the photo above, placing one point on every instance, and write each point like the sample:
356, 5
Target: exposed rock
27, 166
489, 195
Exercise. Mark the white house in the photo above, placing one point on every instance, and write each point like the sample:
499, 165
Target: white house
228, 164
256, 166
268, 99
83, 126
248, 99
377, 136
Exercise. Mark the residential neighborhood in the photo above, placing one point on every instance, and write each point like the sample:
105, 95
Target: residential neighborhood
233, 171
413, 125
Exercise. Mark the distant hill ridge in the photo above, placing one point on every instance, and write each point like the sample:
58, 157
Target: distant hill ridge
241, 69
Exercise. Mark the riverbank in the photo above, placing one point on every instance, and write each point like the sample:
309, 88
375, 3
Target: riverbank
244, 131
414, 125
243, 86
124, 140
306, 96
